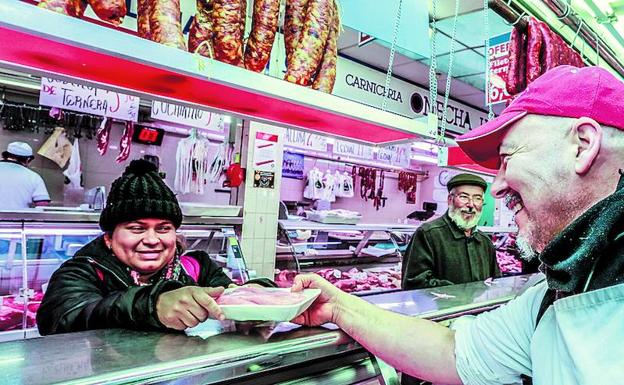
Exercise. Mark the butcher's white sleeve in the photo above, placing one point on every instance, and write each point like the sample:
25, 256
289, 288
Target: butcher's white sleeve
493, 348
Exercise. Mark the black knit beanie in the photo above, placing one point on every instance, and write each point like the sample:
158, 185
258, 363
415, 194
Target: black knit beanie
139, 193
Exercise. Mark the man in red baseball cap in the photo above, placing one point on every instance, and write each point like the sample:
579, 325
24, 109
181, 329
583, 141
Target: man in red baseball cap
558, 149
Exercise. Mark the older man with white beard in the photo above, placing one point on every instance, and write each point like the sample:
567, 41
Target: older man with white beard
559, 151
450, 250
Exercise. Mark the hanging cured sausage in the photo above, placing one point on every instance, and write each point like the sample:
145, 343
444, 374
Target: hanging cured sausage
309, 49
74, 8
326, 76
294, 20
165, 28
143, 18
228, 18
263, 30
112, 11
201, 32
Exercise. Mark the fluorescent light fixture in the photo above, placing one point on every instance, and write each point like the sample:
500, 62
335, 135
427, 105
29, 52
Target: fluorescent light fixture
227, 119
19, 84
425, 158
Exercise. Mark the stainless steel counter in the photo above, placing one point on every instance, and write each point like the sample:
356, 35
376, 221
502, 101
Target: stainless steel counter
123, 356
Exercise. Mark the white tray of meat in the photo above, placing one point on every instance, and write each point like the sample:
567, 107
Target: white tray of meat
265, 304
193, 209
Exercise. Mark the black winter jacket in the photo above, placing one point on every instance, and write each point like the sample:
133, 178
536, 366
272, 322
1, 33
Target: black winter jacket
78, 298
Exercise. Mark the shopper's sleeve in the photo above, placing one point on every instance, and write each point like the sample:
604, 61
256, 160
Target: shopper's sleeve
418, 264
40, 192
75, 301
493, 348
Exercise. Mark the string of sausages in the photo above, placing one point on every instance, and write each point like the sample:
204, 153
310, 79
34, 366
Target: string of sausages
533, 51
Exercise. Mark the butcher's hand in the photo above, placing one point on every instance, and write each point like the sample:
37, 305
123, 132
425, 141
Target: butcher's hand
188, 306
326, 306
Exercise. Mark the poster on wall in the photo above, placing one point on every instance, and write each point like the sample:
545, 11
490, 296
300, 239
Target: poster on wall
292, 165
265, 159
498, 55
88, 99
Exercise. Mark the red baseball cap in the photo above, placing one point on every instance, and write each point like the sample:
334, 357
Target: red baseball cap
565, 91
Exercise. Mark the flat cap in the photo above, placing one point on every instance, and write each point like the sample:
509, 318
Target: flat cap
466, 179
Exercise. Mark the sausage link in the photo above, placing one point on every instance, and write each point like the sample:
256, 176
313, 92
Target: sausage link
228, 18
263, 30
112, 11
165, 25
201, 29
326, 76
74, 8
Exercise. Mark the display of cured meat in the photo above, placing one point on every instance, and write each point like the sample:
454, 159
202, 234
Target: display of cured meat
263, 30
143, 18
260, 296
74, 8
112, 11
125, 143
103, 135
200, 33
326, 75
294, 20
165, 27
309, 49
228, 20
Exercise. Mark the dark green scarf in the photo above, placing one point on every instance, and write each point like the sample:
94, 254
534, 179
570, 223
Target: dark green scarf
590, 249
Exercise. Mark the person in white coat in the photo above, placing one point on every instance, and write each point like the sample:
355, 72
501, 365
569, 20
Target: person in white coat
21, 187
559, 150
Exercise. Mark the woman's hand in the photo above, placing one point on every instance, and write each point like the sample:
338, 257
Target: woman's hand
188, 306
325, 307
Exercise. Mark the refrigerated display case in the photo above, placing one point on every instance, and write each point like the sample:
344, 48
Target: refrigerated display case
363, 258
283, 354
34, 244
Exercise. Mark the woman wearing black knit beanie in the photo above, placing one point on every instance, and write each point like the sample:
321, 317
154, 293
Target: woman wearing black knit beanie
134, 276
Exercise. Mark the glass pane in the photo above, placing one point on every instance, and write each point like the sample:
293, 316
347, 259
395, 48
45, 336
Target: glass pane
11, 271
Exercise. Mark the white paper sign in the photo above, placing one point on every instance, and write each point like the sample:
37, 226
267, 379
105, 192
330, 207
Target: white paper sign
305, 140
88, 99
265, 152
353, 150
188, 116
397, 155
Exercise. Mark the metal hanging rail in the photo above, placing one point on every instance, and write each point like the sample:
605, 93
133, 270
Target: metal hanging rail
512, 11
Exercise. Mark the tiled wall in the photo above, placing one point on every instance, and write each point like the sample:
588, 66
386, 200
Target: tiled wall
102, 170
260, 210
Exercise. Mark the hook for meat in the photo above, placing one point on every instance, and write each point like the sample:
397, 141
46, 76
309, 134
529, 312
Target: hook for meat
522, 15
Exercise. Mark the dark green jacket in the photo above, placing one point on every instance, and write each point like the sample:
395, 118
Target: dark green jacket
78, 299
440, 254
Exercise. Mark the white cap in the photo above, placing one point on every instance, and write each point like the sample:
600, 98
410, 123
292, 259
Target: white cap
19, 149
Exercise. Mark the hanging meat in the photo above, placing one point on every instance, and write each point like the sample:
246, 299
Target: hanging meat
517, 56
263, 30
74, 8
228, 18
200, 33
165, 28
308, 52
294, 20
112, 11
534, 46
326, 76
143, 18
103, 135
125, 143
550, 55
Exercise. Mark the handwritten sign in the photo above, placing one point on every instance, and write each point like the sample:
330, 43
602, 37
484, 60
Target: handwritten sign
305, 140
88, 99
397, 155
353, 150
188, 116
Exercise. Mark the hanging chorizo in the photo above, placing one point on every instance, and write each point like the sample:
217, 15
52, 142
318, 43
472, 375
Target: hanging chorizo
112, 11
549, 57
74, 8
228, 18
513, 68
326, 76
263, 30
534, 46
143, 18
309, 49
294, 20
165, 25
201, 29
